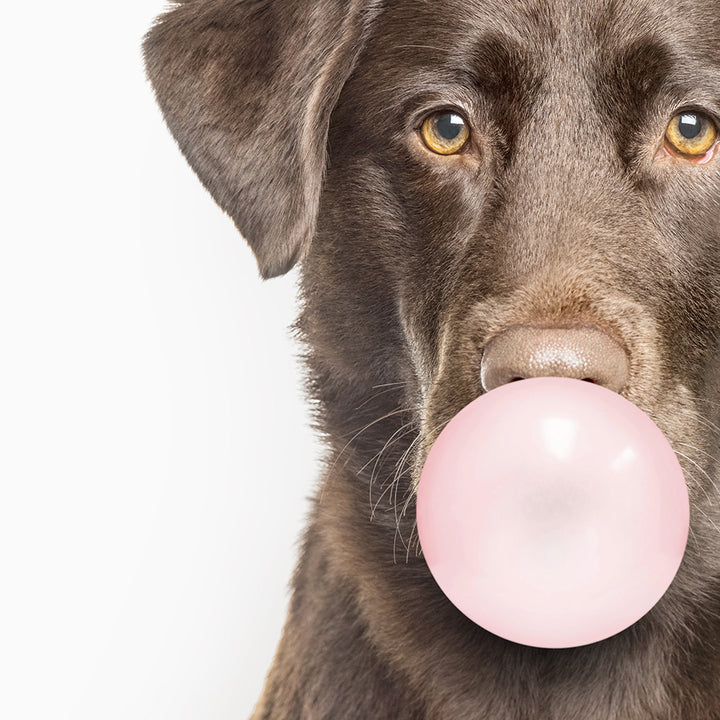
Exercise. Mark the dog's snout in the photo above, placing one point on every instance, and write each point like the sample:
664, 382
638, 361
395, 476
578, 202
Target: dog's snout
584, 352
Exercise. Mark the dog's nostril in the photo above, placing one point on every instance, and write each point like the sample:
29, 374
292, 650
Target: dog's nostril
584, 352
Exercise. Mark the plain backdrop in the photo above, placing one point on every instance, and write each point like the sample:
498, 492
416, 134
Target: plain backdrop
156, 457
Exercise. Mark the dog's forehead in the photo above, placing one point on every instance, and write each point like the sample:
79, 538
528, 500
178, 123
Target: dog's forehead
549, 29
538, 20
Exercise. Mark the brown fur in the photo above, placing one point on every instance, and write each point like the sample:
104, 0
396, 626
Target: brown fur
300, 117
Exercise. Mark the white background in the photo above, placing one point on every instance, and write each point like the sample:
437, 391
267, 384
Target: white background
155, 450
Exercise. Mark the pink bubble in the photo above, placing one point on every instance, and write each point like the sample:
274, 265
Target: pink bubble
553, 512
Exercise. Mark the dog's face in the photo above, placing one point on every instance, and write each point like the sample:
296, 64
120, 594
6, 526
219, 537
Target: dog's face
568, 203
455, 172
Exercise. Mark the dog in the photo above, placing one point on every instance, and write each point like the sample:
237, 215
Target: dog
475, 193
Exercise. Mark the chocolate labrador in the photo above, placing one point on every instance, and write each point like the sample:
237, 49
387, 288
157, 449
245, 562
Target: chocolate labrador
476, 192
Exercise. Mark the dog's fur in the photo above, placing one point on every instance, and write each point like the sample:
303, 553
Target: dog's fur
301, 117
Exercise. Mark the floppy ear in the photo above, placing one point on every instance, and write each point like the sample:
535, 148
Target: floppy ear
247, 88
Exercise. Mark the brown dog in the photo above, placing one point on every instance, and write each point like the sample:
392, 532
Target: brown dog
478, 192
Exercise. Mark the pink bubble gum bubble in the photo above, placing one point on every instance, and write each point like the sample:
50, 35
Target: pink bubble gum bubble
552, 512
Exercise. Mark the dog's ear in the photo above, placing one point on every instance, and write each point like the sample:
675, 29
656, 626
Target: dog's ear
247, 88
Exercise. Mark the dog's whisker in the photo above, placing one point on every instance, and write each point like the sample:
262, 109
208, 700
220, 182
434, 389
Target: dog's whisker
701, 419
399, 472
368, 426
390, 384
398, 531
697, 449
410, 492
401, 467
714, 482
385, 489
389, 387
373, 475
389, 442
705, 401
383, 417
413, 533
704, 472
707, 517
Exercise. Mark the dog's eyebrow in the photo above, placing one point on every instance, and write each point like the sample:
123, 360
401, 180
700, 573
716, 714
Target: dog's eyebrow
634, 76
641, 68
505, 72
500, 66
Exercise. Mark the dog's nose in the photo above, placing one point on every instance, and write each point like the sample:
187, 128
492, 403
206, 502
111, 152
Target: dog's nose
584, 352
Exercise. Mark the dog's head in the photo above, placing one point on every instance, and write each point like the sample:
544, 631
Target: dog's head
476, 192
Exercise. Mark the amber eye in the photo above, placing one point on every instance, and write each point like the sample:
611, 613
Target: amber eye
691, 133
445, 132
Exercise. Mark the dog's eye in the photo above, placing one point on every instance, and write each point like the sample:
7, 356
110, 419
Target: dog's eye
445, 132
691, 133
